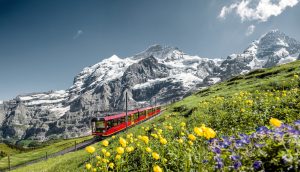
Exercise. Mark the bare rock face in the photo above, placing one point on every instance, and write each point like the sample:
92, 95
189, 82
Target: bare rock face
159, 74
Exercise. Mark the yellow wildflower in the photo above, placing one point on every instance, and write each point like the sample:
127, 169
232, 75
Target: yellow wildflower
103, 151
129, 149
148, 150
123, 142
105, 160
107, 154
198, 131
249, 102
156, 168
98, 157
192, 137
105, 143
163, 141
111, 165
118, 157
154, 135
88, 166
180, 140
182, 133
275, 122
190, 142
182, 124
113, 137
120, 150
209, 133
145, 139
90, 149
155, 155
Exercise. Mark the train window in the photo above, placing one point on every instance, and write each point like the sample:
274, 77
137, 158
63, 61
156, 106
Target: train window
115, 122
110, 124
99, 126
122, 119
136, 116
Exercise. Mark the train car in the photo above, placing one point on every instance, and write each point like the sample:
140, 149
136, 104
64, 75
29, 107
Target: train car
109, 125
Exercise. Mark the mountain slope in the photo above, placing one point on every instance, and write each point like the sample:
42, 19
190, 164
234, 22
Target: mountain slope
161, 73
225, 117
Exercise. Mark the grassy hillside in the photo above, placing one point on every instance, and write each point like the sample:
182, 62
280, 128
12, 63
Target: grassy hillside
21, 156
233, 112
5, 149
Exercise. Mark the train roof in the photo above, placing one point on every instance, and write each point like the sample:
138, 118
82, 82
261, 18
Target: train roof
106, 118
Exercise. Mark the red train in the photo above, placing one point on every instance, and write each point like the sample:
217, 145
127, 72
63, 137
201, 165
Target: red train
109, 125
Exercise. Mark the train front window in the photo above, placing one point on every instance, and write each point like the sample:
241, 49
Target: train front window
93, 126
100, 126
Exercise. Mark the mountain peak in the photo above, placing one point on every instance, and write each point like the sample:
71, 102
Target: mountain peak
158, 47
114, 58
273, 41
157, 51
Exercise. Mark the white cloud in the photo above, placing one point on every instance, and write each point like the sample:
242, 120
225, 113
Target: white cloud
78, 33
259, 10
250, 30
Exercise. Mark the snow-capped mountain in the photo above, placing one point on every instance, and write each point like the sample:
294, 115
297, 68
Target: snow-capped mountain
160, 72
271, 49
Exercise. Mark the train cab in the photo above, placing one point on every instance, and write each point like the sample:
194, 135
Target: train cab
98, 125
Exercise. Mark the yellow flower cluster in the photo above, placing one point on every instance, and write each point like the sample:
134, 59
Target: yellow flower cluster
275, 122
155, 155
145, 139
123, 142
90, 149
156, 168
207, 132
105, 143
163, 141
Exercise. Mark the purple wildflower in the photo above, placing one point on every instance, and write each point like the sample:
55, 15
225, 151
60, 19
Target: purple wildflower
219, 162
216, 150
262, 130
239, 144
234, 157
219, 165
237, 165
257, 165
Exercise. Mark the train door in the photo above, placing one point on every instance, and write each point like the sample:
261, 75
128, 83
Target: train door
132, 119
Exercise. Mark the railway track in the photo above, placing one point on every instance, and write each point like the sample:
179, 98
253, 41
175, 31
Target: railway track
79, 146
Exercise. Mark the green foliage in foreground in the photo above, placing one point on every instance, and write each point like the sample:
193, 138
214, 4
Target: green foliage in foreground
19, 157
239, 105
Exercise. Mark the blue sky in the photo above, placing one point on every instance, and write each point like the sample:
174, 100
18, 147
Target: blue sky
44, 44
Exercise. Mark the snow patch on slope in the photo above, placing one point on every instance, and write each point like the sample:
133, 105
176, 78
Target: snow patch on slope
288, 59
282, 43
59, 111
281, 52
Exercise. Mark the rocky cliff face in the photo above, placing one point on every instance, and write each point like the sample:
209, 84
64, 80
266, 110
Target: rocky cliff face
161, 73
